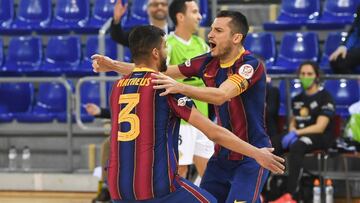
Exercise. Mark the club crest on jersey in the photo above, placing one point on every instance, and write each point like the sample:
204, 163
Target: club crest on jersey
246, 71
188, 63
182, 101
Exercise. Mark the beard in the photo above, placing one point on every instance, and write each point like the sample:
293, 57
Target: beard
163, 66
159, 15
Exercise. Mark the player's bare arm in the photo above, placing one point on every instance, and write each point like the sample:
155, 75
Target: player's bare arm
227, 139
101, 63
317, 128
217, 96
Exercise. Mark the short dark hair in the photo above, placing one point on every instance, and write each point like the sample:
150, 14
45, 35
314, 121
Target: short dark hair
238, 23
313, 64
177, 6
143, 39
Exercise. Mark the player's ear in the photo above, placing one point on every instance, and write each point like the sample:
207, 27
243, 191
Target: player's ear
155, 53
179, 17
237, 38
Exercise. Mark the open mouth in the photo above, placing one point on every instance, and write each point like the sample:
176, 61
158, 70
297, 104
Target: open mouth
212, 45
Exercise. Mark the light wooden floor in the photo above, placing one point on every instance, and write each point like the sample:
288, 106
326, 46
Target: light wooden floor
45, 197
64, 197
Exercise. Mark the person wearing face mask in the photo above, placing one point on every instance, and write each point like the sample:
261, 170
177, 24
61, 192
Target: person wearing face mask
310, 126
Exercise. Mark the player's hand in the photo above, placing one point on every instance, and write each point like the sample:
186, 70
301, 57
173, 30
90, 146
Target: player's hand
119, 10
270, 161
102, 63
92, 109
340, 51
163, 81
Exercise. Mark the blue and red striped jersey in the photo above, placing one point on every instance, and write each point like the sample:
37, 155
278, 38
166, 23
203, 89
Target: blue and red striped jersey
144, 138
244, 114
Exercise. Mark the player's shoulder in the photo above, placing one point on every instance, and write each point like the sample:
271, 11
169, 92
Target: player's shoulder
250, 59
171, 38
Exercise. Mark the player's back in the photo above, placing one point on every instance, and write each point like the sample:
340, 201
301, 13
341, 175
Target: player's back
144, 138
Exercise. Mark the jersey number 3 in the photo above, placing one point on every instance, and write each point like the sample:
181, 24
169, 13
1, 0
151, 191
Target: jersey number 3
125, 115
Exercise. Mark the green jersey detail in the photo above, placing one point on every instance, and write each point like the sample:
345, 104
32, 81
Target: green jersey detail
180, 51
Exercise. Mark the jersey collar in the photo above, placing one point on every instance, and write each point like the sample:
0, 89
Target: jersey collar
230, 63
143, 69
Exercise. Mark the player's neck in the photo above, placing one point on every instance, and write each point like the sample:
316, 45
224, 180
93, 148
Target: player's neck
183, 33
313, 89
232, 55
158, 23
146, 65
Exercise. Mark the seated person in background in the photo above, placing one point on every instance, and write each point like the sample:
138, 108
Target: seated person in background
346, 57
103, 194
157, 11
272, 107
310, 126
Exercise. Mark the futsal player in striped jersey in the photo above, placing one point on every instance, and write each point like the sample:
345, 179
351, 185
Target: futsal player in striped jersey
143, 154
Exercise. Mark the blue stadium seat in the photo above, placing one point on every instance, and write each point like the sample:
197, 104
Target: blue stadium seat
50, 101
204, 12
101, 12
344, 92
70, 15
16, 99
32, 15
295, 89
264, 45
127, 55
6, 15
295, 48
62, 55
89, 93
24, 56
92, 48
336, 14
332, 42
1, 53
294, 14
137, 14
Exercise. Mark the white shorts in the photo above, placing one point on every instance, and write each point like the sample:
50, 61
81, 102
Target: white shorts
193, 142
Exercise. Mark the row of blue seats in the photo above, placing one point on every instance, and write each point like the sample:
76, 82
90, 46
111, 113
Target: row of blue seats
49, 102
72, 15
25, 54
62, 55
295, 48
294, 14
38, 15
344, 92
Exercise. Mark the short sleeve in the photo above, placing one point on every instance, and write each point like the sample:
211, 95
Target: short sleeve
181, 105
327, 105
252, 70
193, 67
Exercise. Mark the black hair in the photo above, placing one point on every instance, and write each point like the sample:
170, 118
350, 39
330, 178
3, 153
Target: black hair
238, 23
177, 6
143, 39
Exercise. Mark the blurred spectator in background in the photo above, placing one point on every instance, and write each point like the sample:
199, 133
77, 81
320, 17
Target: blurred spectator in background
310, 126
346, 57
103, 194
272, 107
157, 11
182, 45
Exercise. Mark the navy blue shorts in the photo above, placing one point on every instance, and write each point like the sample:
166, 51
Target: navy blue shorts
187, 193
234, 181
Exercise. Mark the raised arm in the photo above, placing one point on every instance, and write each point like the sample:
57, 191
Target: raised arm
227, 139
103, 63
217, 96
